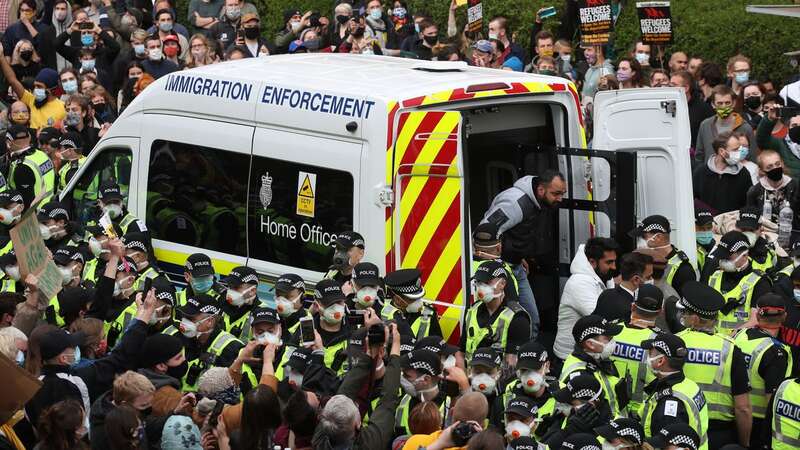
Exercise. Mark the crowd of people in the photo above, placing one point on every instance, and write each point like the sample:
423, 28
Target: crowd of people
650, 351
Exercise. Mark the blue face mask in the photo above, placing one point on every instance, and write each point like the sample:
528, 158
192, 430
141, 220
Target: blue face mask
77, 355
742, 77
87, 65
705, 237
416, 27
87, 40
376, 13
166, 27
40, 94
70, 86
743, 152
797, 295
202, 285
20, 358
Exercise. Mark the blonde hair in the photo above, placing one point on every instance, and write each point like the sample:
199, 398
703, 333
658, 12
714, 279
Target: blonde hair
210, 56
93, 328
738, 58
16, 59
129, 385
8, 347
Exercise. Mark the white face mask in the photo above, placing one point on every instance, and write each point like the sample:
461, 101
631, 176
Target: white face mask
96, 247
607, 446
651, 361
13, 272
294, 379
532, 381
333, 314
733, 265
155, 54
113, 210
189, 328
517, 429
608, 349
483, 383
485, 292
66, 275
408, 386
284, 306
564, 408
119, 290
268, 338
734, 156
366, 296
7, 217
157, 317
296, 25
51, 232
449, 362
492, 36
415, 306
237, 298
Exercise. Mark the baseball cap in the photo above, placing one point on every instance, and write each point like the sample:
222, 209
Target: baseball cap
489, 270
748, 219
248, 17
405, 282
109, 191
199, 265
52, 343
71, 300
677, 433
582, 387
483, 46
522, 406
241, 275
289, 281
328, 292
593, 325
50, 135
66, 254
263, 314
200, 304
299, 359
17, 131
424, 361
486, 234
531, 356
730, 243
581, 441
53, 210
703, 217
487, 357
349, 239
437, 345
622, 428
10, 196
670, 345
651, 224
650, 298
366, 274
171, 38
289, 13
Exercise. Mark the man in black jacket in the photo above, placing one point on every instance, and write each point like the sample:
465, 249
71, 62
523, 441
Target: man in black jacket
104, 48
636, 270
699, 110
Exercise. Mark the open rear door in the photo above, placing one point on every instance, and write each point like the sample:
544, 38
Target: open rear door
428, 212
655, 124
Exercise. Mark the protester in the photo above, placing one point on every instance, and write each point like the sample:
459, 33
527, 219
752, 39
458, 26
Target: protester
721, 183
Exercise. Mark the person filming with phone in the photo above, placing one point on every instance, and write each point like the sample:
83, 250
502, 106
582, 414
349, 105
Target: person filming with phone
788, 147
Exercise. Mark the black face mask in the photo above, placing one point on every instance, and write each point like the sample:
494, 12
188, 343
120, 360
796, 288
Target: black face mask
178, 371
775, 174
794, 134
146, 412
252, 32
752, 102
342, 19
26, 55
431, 40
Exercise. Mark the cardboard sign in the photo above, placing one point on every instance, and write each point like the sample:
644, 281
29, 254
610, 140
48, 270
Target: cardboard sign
596, 21
475, 15
17, 388
33, 256
655, 22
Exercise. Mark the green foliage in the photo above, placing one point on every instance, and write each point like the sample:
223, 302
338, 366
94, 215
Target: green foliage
712, 29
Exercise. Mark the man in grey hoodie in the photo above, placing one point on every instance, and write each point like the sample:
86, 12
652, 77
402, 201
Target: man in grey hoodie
524, 215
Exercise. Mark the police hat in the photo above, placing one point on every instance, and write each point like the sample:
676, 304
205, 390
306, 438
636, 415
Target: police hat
200, 304
10, 196
17, 131
649, 299
407, 342
581, 387
437, 345
677, 433
349, 239
109, 191
164, 290
263, 314
651, 224
289, 281
406, 283
299, 359
71, 140
424, 361
328, 292
701, 299
748, 219
580, 441
670, 345
50, 135
730, 243
794, 252
366, 274
531, 356
703, 217
199, 265
524, 443
9, 259
486, 234
593, 325
486, 357
770, 305
489, 270
53, 210
127, 265
522, 406
66, 254
135, 241
622, 428
241, 275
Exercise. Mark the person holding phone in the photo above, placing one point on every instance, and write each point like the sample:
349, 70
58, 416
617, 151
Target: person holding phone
329, 323
787, 147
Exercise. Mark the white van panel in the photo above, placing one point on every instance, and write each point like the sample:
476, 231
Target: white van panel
655, 123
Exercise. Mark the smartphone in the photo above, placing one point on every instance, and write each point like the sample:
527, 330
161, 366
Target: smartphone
550, 11
356, 318
240, 34
307, 330
86, 26
148, 283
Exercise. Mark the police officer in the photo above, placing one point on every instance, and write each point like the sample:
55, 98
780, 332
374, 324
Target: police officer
495, 320
199, 275
737, 281
12, 279
163, 316
112, 202
672, 396
206, 344
762, 253
487, 246
99, 250
30, 171
349, 250
240, 301
675, 436
717, 365
629, 356
533, 365
367, 288
484, 372
330, 324
520, 418
11, 208
768, 361
294, 372
581, 407
404, 304
421, 373
621, 433
54, 225
137, 249
49, 142
703, 224
123, 305
266, 329
653, 235
789, 332
70, 152
70, 264
594, 345
785, 414
289, 292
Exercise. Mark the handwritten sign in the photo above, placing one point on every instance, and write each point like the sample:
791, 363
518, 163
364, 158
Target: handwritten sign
655, 22
33, 256
17, 388
475, 15
596, 21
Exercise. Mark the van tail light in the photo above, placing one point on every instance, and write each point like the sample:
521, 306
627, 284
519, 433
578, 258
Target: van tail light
487, 87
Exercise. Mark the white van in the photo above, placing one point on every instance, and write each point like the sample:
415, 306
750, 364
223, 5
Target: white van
262, 161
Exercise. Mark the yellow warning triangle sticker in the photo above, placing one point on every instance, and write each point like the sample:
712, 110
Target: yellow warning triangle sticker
305, 189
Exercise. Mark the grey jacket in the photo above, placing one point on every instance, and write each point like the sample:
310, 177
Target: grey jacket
704, 147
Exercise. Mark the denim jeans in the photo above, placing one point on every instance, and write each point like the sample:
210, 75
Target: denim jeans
526, 299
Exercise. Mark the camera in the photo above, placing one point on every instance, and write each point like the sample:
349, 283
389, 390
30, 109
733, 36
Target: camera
462, 433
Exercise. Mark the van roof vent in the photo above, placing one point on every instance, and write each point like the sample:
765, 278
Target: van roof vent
440, 66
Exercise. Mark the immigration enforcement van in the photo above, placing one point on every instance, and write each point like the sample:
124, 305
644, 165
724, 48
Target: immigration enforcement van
262, 161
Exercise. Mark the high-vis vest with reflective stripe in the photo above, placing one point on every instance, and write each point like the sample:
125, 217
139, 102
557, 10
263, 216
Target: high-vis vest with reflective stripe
404, 409
743, 293
545, 410
292, 329
769, 262
119, 324
422, 324
239, 327
786, 416
336, 356
608, 382
709, 364
702, 253
498, 330
630, 357
126, 222
43, 172
508, 268
149, 272
788, 270
53, 313
64, 174
218, 345
754, 350
688, 393
673, 264
90, 271
8, 285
